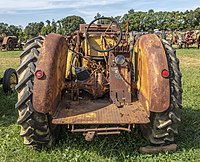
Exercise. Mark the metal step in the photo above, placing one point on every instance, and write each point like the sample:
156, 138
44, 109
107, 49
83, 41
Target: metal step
99, 112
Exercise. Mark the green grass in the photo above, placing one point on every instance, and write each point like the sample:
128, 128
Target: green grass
9, 59
124, 147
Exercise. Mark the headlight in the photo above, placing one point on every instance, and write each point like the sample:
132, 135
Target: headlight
120, 59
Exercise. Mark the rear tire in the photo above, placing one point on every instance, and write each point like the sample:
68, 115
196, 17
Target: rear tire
163, 126
9, 80
36, 128
10, 45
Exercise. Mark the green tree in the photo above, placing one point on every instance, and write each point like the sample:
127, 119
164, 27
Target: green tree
3, 28
14, 30
49, 28
59, 27
175, 20
10, 30
70, 23
33, 29
197, 18
97, 16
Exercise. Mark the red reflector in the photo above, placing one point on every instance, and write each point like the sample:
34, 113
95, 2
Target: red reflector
165, 73
39, 74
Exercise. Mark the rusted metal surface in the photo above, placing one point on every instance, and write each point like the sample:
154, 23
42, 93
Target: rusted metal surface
98, 35
99, 112
89, 136
74, 130
9, 42
52, 61
188, 39
198, 39
5, 40
120, 81
97, 28
89, 133
154, 90
97, 85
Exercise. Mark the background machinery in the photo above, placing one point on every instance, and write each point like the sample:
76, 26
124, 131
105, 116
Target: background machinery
9, 80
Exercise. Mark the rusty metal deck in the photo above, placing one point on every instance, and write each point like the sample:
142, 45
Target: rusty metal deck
99, 112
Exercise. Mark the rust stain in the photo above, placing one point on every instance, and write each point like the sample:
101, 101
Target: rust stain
52, 61
100, 112
154, 90
120, 80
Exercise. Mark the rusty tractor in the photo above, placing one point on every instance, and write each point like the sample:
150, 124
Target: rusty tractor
9, 80
180, 41
174, 38
9, 43
186, 40
98, 81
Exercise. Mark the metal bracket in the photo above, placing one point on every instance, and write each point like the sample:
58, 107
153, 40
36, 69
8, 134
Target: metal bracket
89, 136
120, 81
89, 133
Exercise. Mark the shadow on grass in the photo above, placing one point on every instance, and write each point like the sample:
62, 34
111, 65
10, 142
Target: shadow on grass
189, 130
8, 113
119, 147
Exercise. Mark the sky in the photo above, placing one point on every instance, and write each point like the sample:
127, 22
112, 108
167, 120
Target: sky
22, 12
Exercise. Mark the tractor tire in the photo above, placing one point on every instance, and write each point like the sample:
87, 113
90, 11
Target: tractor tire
9, 80
10, 45
164, 125
36, 128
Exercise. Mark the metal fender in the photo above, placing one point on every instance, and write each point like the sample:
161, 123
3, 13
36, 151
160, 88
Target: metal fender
150, 61
52, 62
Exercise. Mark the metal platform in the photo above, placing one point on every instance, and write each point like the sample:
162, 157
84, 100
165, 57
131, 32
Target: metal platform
99, 112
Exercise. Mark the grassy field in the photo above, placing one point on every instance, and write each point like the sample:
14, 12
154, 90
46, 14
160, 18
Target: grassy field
106, 148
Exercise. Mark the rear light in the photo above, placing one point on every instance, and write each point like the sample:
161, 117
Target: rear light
165, 73
39, 74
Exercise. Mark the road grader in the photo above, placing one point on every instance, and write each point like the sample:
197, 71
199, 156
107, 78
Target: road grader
98, 81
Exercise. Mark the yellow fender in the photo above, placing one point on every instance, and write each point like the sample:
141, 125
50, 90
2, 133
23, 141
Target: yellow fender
150, 61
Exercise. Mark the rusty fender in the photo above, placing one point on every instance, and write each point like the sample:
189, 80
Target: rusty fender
52, 61
5, 39
151, 60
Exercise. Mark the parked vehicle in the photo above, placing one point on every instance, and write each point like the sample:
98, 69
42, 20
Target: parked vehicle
10, 43
101, 81
9, 80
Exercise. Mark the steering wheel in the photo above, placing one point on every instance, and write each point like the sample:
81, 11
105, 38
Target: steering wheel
109, 32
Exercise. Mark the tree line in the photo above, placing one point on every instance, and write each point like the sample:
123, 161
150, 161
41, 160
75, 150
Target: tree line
64, 26
163, 20
137, 21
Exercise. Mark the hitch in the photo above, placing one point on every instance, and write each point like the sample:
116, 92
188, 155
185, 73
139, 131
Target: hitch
89, 133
